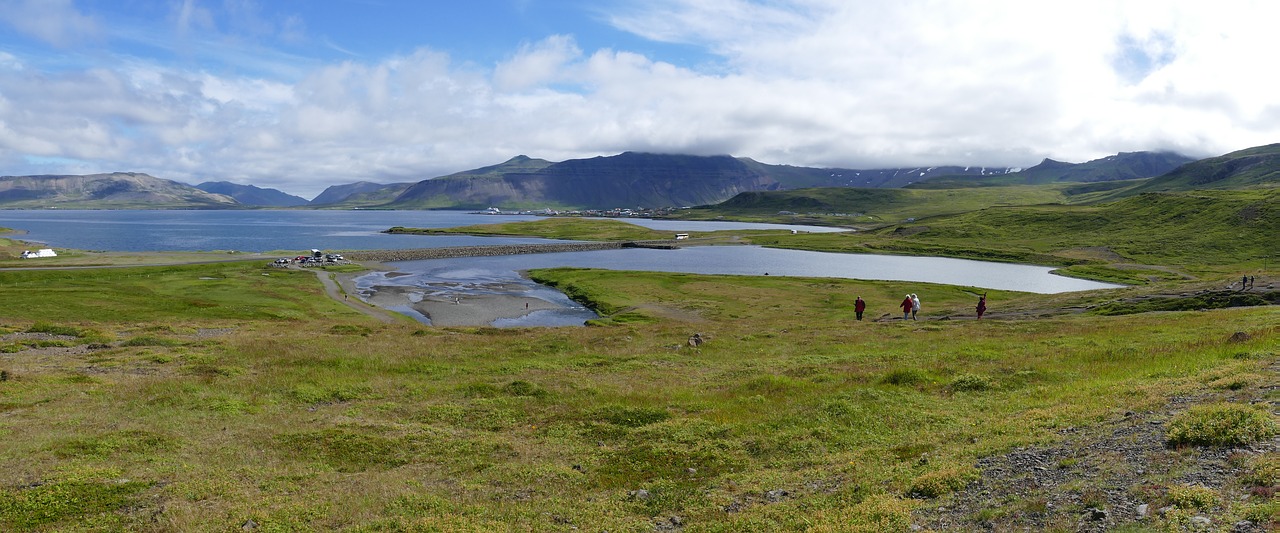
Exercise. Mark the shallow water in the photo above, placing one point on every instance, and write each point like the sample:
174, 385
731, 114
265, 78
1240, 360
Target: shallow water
480, 275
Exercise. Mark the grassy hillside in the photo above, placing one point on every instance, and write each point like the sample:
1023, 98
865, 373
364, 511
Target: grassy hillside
219, 398
1203, 231
857, 206
1254, 167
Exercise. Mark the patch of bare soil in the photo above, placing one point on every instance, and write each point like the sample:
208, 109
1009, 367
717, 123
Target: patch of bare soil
1102, 477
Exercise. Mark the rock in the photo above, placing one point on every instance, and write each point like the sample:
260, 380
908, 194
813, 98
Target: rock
695, 340
1239, 336
639, 494
775, 496
1201, 521
249, 524
1142, 510
691, 471
1096, 514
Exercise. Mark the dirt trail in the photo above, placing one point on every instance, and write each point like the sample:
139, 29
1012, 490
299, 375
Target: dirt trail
334, 291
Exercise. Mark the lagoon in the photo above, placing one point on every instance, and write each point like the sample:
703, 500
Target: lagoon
474, 276
296, 230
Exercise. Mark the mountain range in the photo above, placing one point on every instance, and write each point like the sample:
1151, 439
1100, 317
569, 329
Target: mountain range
117, 190
630, 179
252, 195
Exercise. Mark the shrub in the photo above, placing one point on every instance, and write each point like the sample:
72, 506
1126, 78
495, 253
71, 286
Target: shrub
29, 508
1224, 424
346, 450
631, 417
970, 382
1265, 513
1192, 497
151, 340
939, 482
54, 329
524, 388
315, 394
1263, 471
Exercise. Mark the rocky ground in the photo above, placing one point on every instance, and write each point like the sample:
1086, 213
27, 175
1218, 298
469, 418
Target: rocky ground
1114, 475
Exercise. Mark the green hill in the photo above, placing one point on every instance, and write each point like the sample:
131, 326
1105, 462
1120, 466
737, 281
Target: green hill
877, 206
1198, 231
1254, 167
117, 190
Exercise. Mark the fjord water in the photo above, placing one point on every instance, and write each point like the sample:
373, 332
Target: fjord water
267, 230
245, 230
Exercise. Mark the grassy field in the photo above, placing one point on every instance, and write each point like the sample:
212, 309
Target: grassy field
232, 396
1151, 237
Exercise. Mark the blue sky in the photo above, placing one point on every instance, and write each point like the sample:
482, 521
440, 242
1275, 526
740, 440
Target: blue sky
303, 94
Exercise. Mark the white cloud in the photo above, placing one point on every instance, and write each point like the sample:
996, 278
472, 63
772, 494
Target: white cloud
806, 82
56, 22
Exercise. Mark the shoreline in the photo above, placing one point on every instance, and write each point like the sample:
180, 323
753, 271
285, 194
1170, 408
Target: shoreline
444, 309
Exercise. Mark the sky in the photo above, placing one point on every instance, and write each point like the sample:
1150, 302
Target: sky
299, 95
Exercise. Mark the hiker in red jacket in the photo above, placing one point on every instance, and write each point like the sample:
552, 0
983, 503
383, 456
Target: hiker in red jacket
859, 306
906, 306
982, 305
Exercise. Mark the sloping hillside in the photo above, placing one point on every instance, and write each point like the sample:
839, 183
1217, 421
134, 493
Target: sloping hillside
1122, 166
360, 193
792, 177
1197, 227
252, 195
118, 190
1253, 167
626, 180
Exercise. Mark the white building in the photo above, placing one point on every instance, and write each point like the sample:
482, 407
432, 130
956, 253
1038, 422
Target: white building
43, 252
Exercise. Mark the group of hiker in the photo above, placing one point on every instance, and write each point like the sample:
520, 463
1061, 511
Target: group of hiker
911, 306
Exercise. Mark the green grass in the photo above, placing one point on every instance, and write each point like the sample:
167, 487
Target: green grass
1197, 232
226, 291
872, 207
306, 416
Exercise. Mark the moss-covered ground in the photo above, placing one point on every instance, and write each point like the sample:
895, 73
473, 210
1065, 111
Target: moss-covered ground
234, 396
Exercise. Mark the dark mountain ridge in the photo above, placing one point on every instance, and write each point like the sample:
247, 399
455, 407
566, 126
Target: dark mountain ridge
630, 179
1122, 166
253, 195
117, 190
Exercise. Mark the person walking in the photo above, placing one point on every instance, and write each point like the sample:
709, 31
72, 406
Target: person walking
906, 306
915, 305
982, 305
859, 306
